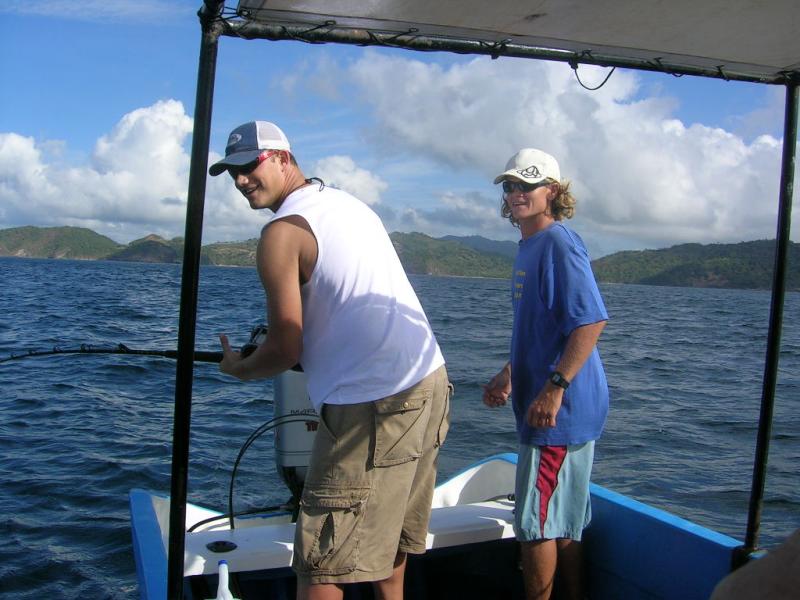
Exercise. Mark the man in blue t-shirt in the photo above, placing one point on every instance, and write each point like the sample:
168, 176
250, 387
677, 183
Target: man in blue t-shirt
560, 393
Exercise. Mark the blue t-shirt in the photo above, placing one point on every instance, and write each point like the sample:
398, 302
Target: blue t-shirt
554, 291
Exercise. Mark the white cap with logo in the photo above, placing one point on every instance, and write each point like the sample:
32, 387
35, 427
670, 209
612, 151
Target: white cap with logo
530, 166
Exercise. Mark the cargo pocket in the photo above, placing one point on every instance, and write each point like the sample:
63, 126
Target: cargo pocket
330, 517
400, 424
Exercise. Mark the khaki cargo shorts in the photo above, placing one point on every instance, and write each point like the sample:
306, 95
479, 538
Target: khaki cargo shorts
370, 483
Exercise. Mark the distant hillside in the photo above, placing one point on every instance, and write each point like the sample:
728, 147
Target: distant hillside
237, 254
746, 265
482, 244
418, 252
150, 249
423, 254
55, 242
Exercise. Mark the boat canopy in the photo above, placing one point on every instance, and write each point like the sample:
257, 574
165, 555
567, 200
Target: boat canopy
750, 39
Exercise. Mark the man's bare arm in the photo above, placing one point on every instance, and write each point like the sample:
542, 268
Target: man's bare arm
282, 258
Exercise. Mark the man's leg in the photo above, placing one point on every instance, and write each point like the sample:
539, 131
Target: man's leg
392, 588
331, 513
570, 570
538, 568
318, 591
420, 491
386, 589
549, 477
366, 458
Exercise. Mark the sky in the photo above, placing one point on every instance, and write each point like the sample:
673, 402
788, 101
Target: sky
96, 115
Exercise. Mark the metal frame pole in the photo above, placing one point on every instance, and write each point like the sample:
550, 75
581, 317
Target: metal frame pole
209, 19
775, 323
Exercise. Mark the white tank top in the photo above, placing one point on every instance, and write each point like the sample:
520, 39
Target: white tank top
365, 335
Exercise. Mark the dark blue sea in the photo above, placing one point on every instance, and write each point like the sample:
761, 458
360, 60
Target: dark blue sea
77, 432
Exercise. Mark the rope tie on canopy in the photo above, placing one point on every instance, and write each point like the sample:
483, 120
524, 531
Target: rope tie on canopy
574, 64
660, 65
412, 32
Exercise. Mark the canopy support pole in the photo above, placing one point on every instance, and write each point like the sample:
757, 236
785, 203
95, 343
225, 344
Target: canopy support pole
775, 324
209, 19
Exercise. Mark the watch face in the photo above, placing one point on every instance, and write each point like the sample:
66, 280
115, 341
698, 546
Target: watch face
557, 379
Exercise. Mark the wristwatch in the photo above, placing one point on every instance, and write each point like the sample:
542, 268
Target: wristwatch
558, 379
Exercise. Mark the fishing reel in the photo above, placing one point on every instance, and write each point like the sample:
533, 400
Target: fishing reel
257, 336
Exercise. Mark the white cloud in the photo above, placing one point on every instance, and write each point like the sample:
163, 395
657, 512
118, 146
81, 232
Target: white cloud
343, 173
135, 184
638, 173
430, 140
465, 213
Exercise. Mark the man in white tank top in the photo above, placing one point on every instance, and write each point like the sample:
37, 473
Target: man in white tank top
340, 304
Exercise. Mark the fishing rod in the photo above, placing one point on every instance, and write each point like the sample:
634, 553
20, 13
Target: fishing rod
257, 335
199, 355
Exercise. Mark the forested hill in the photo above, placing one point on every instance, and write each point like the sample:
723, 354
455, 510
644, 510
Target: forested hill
55, 242
418, 252
743, 265
746, 265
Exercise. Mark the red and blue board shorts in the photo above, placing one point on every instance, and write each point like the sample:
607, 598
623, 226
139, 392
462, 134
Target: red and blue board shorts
552, 492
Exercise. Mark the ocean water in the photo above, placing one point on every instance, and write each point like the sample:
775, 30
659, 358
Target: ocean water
77, 432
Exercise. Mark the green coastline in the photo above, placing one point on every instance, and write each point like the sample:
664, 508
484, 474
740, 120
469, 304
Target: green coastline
743, 265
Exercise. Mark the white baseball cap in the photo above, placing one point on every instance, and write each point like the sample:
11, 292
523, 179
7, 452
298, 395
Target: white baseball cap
531, 166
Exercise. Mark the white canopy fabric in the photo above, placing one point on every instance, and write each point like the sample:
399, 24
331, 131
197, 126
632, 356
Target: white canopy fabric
755, 38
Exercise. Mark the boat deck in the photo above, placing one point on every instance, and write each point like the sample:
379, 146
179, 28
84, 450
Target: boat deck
633, 550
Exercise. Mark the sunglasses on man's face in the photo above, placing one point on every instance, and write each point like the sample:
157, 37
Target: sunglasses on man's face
248, 168
518, 186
